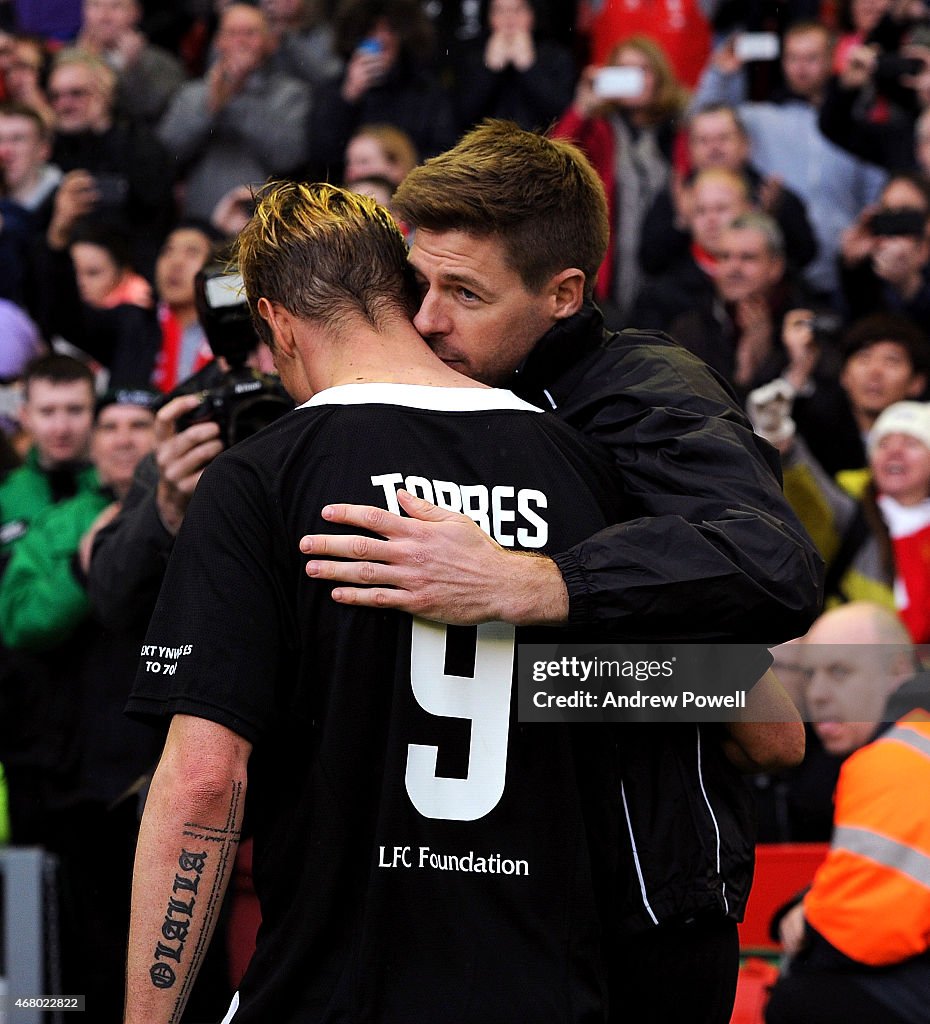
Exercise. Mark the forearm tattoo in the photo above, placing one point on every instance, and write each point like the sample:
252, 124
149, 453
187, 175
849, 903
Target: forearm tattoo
204, 846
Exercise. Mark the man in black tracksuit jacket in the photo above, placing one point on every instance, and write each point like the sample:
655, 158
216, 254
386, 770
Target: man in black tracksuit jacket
511, 228
687, 820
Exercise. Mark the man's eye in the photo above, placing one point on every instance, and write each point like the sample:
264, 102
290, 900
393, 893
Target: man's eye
467, 294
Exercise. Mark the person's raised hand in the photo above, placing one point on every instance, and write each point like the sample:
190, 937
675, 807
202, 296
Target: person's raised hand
791, 930
76, 197
859, 67
364, 70
181, 457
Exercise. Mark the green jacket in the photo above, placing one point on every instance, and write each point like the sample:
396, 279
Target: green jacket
26, 492
41, 600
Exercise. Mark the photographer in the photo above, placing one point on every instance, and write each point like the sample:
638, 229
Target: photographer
885, 254
130, 554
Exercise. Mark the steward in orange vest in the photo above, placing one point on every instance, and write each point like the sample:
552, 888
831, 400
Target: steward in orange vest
867, 958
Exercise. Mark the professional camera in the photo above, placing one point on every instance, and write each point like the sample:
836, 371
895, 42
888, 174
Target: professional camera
245, 400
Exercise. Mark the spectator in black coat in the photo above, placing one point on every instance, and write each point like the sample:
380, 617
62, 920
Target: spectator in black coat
131, 172
387, 80
885, 255
513, 71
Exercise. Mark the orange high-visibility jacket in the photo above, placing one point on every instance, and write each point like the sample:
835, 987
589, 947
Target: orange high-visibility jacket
871, 896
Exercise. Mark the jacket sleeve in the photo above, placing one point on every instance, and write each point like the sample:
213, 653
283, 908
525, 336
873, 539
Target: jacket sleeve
547, 86
887, 145
711, 549
714, 86
476, 85
130, 556
41, 600
146, 86
126, 339
186, 125
332, 122
273, 122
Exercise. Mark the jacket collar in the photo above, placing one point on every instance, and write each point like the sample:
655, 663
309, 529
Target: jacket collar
544, 375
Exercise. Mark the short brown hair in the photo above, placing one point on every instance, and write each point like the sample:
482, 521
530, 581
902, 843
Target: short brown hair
801, 28
10, 108
899, 330
540, 196
325, 254
766, 226
712, 109
723, 176
57, 369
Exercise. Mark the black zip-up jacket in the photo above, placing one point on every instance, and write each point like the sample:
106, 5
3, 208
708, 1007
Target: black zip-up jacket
711, 552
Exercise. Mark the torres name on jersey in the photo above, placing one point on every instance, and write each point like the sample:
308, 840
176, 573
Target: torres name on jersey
505, 513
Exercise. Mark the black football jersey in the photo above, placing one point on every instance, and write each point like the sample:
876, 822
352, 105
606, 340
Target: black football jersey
420, 855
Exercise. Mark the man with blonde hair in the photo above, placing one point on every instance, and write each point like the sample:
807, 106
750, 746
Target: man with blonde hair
419, 855
114, 172
147, 75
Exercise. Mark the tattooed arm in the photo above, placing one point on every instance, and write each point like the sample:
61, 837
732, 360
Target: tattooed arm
187, 844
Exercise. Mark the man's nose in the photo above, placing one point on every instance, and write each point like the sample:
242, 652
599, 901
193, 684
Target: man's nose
815, 693
430, 320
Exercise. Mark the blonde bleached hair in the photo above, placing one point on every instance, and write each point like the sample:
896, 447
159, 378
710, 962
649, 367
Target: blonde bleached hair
102, 75
326, 255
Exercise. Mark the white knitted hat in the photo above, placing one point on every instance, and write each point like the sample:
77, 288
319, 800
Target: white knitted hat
911, 418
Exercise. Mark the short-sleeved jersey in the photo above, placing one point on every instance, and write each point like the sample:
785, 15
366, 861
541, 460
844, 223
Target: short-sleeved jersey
420, 855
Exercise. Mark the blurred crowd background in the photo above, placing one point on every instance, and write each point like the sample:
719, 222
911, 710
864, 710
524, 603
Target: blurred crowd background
767, 168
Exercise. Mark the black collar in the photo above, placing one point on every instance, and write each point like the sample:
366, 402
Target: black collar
544, 376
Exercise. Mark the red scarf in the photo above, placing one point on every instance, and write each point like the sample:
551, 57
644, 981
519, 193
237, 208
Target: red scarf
165, 375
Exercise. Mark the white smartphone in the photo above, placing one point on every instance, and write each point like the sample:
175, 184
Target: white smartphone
757, 46
619, 83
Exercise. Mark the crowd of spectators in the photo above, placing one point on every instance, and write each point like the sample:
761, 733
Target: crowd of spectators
767, 168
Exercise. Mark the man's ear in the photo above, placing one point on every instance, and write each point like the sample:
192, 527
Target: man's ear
280, 323
567, 291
